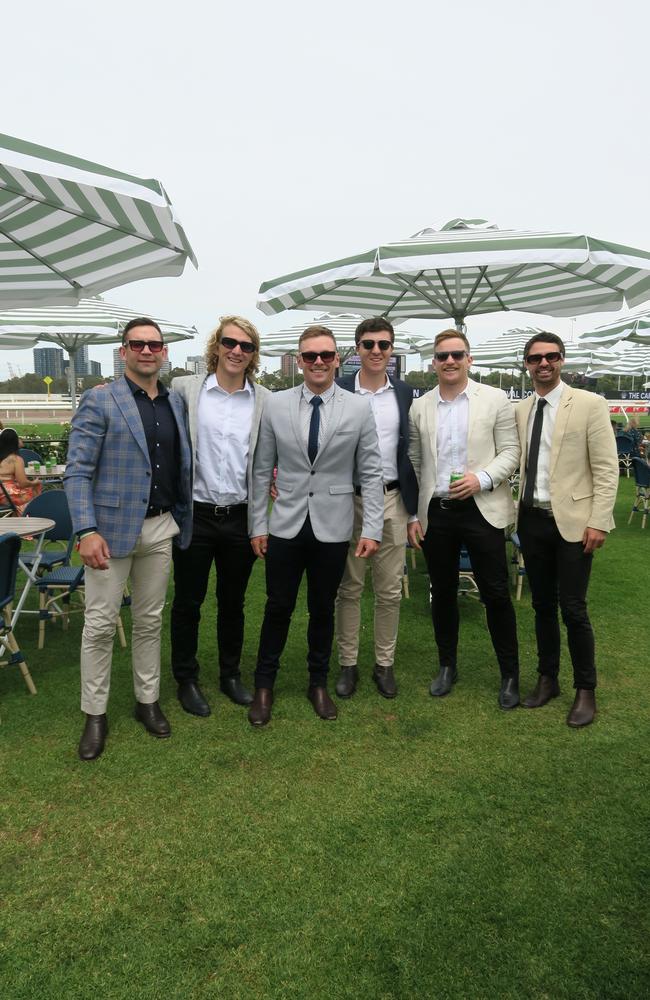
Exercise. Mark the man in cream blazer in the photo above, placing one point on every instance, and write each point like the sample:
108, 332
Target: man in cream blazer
463, 446
224, 408
567, 494
322, 440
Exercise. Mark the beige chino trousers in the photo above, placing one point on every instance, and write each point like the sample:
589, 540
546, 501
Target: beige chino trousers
148, 568
387, 568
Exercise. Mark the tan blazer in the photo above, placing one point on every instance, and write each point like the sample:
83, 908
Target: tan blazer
492, 445
584, 463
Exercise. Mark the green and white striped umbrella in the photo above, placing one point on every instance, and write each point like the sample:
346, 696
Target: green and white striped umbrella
69, 227
506, 352
632, 360
467, 268
93, 321
634, 327
342, 326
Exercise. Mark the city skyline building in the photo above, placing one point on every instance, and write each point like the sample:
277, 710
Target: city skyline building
49, 361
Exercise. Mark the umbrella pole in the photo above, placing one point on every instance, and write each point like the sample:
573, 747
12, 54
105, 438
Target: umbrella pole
72, 379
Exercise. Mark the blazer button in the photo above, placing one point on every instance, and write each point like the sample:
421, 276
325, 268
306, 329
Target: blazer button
311, 494
312, 473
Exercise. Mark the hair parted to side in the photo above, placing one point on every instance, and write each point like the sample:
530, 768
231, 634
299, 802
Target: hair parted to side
139, 321
546, 338
316, 331
375, 324
212, 346
9, 443
447, 335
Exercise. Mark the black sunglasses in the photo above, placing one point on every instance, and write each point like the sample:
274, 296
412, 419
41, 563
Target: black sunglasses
138, 346
383, 345
456, 355
536, 359
311, 356
230, 344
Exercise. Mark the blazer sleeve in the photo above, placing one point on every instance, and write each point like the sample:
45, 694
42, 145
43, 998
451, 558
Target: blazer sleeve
603, 459
506, 444
415, 440
264, 461
370, 477
87, 436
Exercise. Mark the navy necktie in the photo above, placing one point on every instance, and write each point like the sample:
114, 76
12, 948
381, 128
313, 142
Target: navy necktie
314, 427
533, 455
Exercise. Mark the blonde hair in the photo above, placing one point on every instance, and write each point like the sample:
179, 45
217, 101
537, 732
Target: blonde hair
316, 331
447, 335
212, 346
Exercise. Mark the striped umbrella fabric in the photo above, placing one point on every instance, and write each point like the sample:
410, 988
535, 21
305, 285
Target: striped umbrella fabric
342, 326
632, 360
633, 327
69, 227
470, 267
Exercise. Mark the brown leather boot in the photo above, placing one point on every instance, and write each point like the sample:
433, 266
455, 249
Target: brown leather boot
323, 705
259, 714
583, 709
545, 689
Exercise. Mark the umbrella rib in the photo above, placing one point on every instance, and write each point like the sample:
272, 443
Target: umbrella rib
494, 289
41, 260
411, 286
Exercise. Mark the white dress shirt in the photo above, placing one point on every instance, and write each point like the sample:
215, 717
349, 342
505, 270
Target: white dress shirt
542, 495
452, 423
383, 403
224, 421
306, 410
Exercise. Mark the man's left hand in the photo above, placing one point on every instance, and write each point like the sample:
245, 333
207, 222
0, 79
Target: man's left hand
463, 489
593, 539
366, 548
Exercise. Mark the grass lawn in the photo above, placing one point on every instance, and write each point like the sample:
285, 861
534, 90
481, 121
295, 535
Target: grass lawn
418, 848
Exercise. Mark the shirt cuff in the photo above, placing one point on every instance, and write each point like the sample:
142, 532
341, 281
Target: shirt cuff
485, 479
86, 531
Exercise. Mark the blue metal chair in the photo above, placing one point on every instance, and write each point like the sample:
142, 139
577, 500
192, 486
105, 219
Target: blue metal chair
29, 455
9, 549
625, 449
7, 506
52, 504
642, 497
466, 582
517, 561
60, 585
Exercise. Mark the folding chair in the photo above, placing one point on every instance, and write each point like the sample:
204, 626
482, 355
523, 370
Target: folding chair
517, 562
60, 585
467, 585
625, 449
9, 549
53, 504
642, 497
7, 506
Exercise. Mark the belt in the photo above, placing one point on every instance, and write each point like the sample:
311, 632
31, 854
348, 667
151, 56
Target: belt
156, 511
388, 487
218, 511
447, 503
538, 511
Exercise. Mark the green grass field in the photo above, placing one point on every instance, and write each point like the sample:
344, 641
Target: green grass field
418, 848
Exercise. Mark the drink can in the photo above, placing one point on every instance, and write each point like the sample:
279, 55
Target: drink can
454, 475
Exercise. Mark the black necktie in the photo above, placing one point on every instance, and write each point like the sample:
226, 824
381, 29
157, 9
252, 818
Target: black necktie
314, 427
533, 455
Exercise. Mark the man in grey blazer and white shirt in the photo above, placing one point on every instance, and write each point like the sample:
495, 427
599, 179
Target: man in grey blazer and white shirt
224, 410
322, 439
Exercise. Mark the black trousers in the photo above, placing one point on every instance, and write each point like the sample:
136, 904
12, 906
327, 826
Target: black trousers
558, 572
286, 561
224, 541
461, 522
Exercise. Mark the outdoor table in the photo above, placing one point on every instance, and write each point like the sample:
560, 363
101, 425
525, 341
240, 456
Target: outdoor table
23, 527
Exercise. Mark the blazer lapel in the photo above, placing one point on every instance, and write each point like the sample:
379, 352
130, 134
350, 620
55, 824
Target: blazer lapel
294, 414
526, 407
472, 394
124, 398
561, 421
338, 403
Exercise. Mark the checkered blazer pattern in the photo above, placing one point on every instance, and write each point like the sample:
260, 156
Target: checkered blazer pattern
108, 475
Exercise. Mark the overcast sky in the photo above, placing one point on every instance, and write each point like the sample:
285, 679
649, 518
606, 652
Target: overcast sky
291, 133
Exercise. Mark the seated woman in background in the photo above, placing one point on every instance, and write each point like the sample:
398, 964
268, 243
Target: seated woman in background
18, 487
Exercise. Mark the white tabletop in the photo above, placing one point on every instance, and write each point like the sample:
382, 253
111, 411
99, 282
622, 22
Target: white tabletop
26, 525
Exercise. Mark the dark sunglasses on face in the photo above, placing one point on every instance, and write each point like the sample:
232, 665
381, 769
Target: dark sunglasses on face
155, 346
230, 343
536, 359
311, 356
443, 355
383, 345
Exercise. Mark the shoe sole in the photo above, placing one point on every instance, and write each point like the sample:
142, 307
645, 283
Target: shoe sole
442, 694
190, 711
159, 736
348, 694
541, 703
384, 694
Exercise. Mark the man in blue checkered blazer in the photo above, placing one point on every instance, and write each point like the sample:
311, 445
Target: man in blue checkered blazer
128, 486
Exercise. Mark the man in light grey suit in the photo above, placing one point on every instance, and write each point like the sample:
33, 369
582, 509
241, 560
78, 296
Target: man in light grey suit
322, 439
224, 416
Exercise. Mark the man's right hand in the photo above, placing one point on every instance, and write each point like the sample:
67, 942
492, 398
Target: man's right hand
260, 544
94, 551
415, 536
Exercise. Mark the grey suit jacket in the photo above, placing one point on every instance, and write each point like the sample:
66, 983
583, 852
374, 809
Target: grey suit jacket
189, 388
348, 450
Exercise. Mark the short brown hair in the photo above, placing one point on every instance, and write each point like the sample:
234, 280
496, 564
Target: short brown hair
447, 335
315, 331
139, 321
212, 346
376, 324
547, 338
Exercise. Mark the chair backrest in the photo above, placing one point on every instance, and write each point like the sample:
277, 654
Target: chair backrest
641, 472
52, 504
7, 506
624, 444
9, 549
28, 455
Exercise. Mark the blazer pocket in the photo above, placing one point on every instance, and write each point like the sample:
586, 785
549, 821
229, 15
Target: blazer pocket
348, 488
582, 496
106, 500
284, 487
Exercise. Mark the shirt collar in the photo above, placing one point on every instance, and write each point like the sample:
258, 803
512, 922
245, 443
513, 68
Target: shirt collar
359, 388
448, 402
307, 394
212, 382
553, 397
135, 389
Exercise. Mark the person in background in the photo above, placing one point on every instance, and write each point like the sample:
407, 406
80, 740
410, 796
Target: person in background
18, 487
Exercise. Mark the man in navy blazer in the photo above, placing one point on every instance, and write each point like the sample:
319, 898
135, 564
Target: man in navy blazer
128, 486
390, 400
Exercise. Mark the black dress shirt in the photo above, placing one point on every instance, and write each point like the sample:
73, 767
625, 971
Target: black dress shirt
161, 432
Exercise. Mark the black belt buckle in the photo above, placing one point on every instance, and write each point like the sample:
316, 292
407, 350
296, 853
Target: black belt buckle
222, 511
389, 487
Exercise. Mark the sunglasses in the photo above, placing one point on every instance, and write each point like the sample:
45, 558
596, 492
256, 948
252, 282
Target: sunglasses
456, 355
383, 345
311, 356
138, 346
536, 359
230, 344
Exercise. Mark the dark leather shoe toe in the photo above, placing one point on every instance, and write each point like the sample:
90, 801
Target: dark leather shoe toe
233, 688
323, 705
259, 714
509, 693
583, 710
93, 737
384, 678
152, 719
192, 700
441, 685
546, 688
346, 685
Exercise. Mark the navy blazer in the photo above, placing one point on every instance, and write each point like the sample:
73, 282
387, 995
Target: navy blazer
408, 484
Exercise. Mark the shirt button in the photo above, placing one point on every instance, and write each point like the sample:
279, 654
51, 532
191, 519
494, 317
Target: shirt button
311, 494
313, 473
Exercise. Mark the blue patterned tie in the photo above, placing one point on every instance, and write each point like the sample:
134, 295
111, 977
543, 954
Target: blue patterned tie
314, 427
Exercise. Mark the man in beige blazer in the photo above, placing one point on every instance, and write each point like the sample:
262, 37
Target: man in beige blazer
224, 408
567, 494
463, 446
